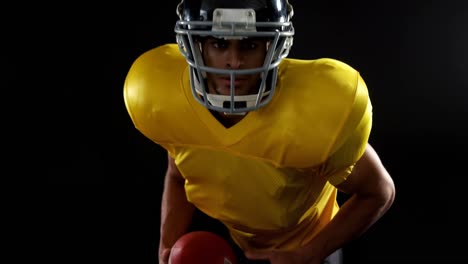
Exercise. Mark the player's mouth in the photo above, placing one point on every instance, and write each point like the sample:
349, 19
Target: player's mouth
237, 81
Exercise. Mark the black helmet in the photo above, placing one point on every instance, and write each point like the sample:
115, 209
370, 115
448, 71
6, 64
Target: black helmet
234, 19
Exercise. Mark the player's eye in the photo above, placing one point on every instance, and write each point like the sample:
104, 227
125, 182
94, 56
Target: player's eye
219, 44
249, 45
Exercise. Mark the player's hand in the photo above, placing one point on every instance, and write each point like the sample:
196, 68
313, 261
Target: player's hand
283, 257
164, 256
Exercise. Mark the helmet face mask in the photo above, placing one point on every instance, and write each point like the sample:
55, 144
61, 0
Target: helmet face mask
234, 20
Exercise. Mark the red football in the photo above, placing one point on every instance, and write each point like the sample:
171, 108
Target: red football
202, 247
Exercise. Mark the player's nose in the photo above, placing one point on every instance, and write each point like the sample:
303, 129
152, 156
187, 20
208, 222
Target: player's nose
234, 58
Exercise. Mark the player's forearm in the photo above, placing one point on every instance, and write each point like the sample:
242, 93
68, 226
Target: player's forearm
354, 218
176, 213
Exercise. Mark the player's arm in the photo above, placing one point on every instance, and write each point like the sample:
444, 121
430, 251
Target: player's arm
371, 191
176, 211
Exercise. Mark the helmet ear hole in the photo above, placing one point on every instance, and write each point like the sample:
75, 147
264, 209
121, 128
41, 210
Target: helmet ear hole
290, 11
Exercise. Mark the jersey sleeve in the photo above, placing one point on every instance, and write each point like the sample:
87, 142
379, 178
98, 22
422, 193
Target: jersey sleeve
137, 89
153, 91
353, 138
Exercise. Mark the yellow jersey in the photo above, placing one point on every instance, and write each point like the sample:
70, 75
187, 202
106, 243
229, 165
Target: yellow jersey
269, 178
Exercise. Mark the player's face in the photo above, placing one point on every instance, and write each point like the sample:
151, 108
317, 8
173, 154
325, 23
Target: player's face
234, 54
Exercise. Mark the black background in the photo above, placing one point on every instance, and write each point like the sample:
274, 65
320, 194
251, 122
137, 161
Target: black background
105, 178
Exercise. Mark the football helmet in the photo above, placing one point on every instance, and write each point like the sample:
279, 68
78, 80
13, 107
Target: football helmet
234, 19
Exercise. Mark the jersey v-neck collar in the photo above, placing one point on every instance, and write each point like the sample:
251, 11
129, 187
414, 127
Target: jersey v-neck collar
226, 135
